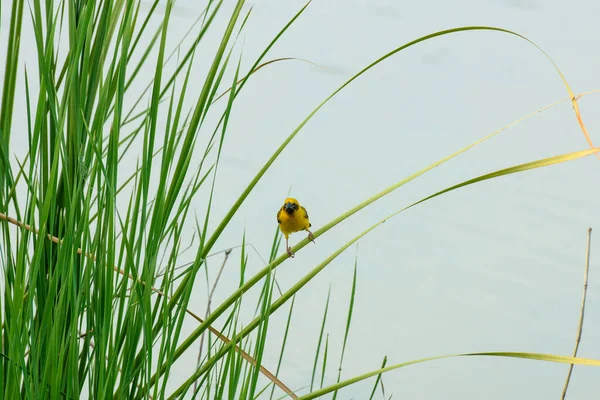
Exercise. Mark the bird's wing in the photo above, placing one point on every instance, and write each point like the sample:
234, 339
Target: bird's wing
305, 212
306, 215
278, 214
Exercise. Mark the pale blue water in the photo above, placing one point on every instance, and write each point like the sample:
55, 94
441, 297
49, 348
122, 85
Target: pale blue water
493, 267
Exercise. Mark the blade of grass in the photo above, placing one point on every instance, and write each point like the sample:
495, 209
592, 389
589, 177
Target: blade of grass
348, 320
323, 321
285, 336
528, 356
376, 380
262, 332
324, 365
581, 311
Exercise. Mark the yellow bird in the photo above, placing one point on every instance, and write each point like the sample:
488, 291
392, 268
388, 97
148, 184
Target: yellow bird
292, 217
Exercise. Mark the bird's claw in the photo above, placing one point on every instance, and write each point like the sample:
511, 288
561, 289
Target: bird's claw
311, 237
290, 254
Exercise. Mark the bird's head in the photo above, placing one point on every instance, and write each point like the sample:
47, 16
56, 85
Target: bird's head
290, 205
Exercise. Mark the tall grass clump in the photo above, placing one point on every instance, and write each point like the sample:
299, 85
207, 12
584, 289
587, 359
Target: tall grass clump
94, 301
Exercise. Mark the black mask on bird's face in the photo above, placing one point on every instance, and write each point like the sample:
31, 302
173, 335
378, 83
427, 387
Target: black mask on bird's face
290, 207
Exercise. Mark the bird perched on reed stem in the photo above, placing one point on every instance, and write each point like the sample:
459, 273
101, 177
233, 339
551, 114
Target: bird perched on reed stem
292, 217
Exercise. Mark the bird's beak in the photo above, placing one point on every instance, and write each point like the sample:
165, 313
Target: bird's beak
289, 207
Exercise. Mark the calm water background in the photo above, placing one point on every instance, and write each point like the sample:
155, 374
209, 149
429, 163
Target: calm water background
493, 267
